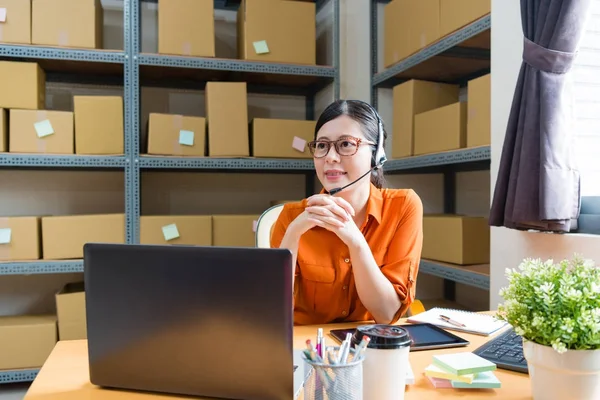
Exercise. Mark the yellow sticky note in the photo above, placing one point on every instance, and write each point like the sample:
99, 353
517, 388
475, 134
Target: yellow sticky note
5, 235
261, 47
186, 138
170, 232
43, 128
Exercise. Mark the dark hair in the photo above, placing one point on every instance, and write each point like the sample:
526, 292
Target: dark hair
368, 119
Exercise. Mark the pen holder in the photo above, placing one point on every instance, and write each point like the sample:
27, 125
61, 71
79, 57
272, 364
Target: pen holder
335, 381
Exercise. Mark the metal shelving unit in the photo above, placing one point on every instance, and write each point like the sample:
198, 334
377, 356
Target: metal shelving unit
456, 58
132, 69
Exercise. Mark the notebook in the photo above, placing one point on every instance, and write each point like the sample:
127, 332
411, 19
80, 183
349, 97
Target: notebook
479, 324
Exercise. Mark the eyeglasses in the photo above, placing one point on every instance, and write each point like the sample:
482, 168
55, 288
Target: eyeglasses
346, 146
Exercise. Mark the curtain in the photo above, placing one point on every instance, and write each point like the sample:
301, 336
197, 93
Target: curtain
538, 185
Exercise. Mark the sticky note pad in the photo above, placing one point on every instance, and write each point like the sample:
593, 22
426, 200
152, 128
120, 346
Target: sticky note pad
299, 144
186, 138
463, 363
170, 232
254, 225
483, 380
261, 47
2, 14
43, 128
5, 235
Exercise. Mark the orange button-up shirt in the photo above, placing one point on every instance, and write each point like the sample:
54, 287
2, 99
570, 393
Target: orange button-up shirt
325, 291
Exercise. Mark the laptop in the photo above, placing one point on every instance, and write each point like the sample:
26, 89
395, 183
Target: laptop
200, 321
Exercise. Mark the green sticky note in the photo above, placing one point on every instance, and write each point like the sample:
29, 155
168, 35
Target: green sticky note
43, 128
186, 138
170, 232
5, 235
261, 47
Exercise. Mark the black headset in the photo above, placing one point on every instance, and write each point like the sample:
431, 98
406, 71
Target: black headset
379, 158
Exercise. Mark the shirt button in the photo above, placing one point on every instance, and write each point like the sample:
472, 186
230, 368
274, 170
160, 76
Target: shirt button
344, 287
344, 312
347, 260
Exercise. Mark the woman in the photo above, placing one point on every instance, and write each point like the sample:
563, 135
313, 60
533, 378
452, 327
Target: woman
356, 251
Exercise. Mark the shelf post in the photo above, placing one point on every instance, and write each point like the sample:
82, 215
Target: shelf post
131, 98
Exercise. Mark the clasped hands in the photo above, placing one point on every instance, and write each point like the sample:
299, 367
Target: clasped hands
332, 213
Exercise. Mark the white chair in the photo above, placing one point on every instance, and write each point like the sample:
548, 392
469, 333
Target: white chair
265, 224
263, 239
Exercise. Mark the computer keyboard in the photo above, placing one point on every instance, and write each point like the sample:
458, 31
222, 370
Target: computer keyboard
506, 351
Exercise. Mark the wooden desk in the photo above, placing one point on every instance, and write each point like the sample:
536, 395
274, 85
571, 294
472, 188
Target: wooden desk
65, 375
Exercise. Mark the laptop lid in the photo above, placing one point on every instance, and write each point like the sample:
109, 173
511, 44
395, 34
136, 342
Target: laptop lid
204, 321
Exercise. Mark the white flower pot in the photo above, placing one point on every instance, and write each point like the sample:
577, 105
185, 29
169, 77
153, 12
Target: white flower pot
573, 375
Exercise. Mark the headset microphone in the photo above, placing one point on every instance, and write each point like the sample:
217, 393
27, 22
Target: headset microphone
378, 160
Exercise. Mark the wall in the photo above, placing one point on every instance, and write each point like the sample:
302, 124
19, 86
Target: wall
508, 247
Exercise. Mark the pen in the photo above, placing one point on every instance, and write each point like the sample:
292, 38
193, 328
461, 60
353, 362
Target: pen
453, 322
320, 349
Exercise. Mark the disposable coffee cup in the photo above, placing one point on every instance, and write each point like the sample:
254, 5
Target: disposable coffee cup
386, 361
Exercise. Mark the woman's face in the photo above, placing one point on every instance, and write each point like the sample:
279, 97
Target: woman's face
335, 170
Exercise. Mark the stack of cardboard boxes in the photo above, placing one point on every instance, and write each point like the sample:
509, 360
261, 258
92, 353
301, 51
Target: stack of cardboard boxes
95, 126
272, 31
410, 25
225, 131
61, 23
430, 118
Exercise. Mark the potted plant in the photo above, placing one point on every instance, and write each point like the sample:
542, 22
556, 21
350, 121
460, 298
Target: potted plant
555, 307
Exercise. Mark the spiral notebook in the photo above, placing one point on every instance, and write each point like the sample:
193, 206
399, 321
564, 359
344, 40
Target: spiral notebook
478, 324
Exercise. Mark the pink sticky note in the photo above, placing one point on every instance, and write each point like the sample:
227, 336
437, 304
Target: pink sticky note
254, 225
299, 144
2, 14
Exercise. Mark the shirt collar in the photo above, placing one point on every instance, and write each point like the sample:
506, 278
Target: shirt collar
374, 203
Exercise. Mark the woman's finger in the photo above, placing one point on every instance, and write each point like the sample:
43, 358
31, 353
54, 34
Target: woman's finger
344, 204
325, 221
332, 210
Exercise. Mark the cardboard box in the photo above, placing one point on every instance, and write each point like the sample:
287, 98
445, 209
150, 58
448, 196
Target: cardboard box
284, 138
41, 131
442, 129
176, 135
227, 116
479, 112
456, 239
176, 229
26, 341
98, 124
234, 230
19, 238
64, 236
70, 309
67, 23
412, 98
277, 31
186, 27
454, 14
3, 131
16, 28
409, 26
23, 85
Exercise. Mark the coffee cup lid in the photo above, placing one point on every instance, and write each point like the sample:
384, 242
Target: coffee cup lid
382, 336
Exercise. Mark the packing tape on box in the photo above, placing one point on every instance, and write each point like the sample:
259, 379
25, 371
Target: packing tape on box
4, 248
63, 38
40, 116
186, 49
177, 126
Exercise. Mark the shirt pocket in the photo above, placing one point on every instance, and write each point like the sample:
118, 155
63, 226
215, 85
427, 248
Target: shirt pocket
318, 282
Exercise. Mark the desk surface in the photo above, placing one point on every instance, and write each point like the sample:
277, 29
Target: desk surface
65, 375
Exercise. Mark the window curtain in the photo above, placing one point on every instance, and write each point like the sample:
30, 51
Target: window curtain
538, 185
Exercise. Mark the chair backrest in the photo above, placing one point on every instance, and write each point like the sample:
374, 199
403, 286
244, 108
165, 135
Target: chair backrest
264, 224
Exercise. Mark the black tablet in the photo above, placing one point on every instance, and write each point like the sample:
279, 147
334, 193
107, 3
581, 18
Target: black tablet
423, 336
